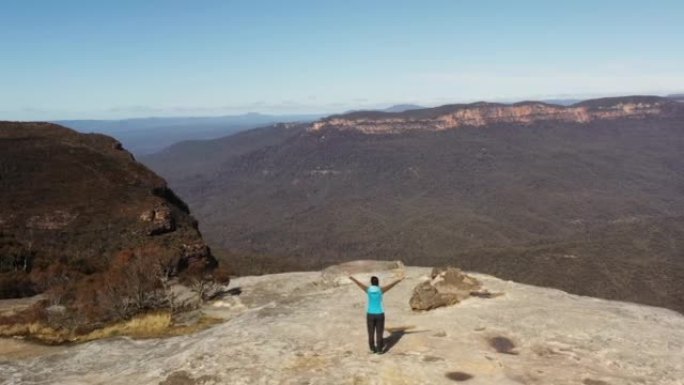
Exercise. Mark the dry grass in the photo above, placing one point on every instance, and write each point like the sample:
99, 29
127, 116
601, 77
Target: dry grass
144, 326
151, 325
35, 331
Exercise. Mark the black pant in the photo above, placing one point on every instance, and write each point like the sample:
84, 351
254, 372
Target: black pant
376, 326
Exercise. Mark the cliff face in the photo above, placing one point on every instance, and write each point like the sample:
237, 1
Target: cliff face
483, 114
70, 203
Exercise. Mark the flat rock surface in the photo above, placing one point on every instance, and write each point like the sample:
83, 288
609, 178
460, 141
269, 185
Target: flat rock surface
298, 328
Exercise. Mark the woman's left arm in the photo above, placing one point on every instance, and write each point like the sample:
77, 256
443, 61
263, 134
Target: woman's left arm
385, 289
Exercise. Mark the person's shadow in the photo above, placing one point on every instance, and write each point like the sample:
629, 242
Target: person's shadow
395, 335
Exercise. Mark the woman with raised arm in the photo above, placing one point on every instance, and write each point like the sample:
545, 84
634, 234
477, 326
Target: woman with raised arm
375, 317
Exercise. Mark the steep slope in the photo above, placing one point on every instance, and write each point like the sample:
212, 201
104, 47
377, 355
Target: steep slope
205, 157
586, 198
298, 328
70, 203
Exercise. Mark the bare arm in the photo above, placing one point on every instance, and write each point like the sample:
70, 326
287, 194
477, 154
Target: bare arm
386, 288
359, 284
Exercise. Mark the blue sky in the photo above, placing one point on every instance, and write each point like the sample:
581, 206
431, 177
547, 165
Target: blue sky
115, 59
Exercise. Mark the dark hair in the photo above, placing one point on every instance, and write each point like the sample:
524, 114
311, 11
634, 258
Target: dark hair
375, 281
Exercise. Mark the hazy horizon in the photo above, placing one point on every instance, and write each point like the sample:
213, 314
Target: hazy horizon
208, 113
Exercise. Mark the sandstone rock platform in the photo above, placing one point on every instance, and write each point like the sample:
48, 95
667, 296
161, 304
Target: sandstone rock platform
296, 328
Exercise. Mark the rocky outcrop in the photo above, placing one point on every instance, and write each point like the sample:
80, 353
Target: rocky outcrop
70, 203
447, 286
160, 220
482, 114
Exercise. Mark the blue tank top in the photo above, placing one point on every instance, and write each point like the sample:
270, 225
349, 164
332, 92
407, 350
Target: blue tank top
375, 300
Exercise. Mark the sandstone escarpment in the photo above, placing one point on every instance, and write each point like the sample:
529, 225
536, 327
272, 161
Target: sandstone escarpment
483, 114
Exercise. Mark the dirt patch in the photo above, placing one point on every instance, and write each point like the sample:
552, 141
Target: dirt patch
182, 377
178, 378
459, 376
485, 294
589, 381
432, 359
502, 345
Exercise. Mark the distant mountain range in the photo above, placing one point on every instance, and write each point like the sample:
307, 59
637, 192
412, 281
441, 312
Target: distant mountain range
144, 136
562, 102
677, 97
403, 107
147, 135
588, 198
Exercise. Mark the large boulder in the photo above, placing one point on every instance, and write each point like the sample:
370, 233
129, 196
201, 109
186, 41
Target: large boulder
446, 286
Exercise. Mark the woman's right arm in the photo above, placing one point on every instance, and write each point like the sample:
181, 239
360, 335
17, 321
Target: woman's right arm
359, 284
